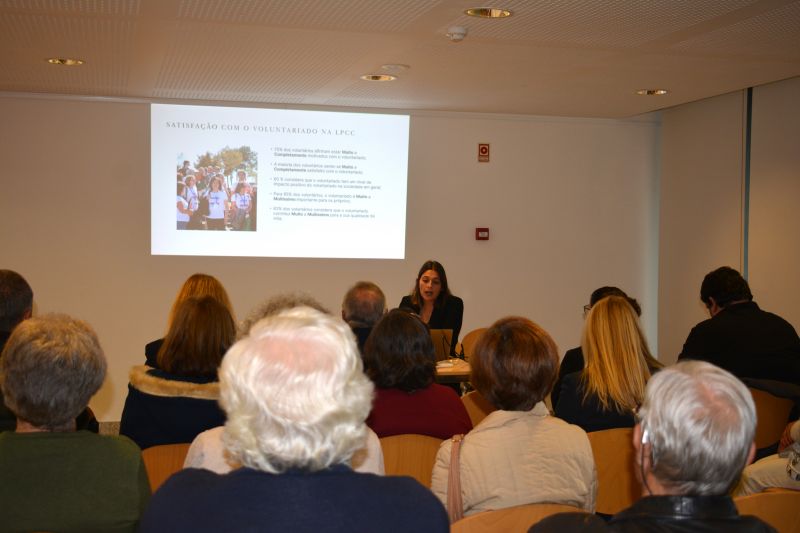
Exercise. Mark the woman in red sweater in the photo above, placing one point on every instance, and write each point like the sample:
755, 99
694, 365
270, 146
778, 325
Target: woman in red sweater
399, 358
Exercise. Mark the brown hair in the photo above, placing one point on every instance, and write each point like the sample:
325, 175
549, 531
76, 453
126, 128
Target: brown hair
201, 332
399, 353
198, 285
444, 294
515, 364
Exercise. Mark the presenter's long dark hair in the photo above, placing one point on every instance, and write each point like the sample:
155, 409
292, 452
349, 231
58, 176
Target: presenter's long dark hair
444, 294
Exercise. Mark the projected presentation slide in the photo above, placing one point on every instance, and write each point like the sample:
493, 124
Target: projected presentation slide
229, 181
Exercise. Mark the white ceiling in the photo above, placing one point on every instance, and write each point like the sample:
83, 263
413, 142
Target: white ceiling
557, 57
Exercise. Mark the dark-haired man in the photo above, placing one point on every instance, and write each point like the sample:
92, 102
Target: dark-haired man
739, 336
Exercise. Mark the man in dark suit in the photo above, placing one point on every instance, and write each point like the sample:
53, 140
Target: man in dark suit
739, 336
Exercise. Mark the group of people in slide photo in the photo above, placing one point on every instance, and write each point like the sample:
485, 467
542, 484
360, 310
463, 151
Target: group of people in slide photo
208, 199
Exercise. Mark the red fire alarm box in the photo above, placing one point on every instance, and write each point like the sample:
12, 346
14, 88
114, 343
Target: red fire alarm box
481, 234
483, 153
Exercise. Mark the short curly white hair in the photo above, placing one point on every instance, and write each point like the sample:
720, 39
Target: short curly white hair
295, 393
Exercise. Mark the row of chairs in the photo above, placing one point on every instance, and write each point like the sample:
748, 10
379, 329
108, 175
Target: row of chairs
414, 455
617, 487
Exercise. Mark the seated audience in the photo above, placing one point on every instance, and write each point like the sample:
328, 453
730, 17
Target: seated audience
54, 477
16, 305
208, 451
296, 398
573, 360
400, 360
781, 470
694, 435
178, 400
518, 454
196, 286
363, 306
740, 337
605, 394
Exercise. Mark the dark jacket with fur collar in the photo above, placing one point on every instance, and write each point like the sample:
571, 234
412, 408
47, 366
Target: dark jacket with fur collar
165, 409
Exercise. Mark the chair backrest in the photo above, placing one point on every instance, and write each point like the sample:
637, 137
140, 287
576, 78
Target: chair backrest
477, 406
617, 486
780, 509
469, 340
410, 455
163, 461
773, 415
510, 519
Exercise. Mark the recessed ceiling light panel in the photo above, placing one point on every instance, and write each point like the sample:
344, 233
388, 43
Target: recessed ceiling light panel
652, 92
66, 61
378, 77
488, 12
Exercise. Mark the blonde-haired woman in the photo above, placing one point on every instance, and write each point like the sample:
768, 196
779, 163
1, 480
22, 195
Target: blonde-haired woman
605, 394
196, 286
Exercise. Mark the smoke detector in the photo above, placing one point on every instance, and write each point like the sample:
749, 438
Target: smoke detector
456, 33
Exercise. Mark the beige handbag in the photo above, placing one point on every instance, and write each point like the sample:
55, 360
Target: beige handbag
455, 506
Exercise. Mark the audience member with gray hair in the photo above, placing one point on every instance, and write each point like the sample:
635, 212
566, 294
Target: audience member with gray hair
693, 438
296, 398
207, 450
363, 307
56, 478
16, 305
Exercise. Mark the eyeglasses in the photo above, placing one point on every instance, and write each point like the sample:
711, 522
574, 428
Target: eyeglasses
586, 309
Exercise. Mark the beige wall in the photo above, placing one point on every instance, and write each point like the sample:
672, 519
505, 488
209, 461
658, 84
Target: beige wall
700, 209
571, 203
702, 204
774, 237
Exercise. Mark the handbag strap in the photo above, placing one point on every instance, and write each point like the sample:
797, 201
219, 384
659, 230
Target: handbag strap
455, 505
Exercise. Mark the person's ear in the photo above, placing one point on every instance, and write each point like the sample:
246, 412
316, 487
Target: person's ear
713, 306
751, 454
343, 316
27, 314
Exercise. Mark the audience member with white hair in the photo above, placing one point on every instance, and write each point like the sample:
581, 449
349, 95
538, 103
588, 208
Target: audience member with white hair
54, 476
693, 437
207, 449
296, 398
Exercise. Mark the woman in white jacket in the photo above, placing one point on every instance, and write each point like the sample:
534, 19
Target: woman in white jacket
518, 454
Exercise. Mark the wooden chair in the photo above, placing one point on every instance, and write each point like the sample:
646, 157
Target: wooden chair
511, 519
477, 406
780, 509
410, 455
163, 461
773, 415
617, 486
469, 340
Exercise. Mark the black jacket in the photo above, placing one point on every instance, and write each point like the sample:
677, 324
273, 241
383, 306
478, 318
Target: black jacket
747, 342
679, 514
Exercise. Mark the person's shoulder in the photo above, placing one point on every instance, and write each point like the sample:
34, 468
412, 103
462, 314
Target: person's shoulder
455, 301
443, 391
561, 522
403, 491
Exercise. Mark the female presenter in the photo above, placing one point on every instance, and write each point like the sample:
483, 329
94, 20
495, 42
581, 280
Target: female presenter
432, 301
